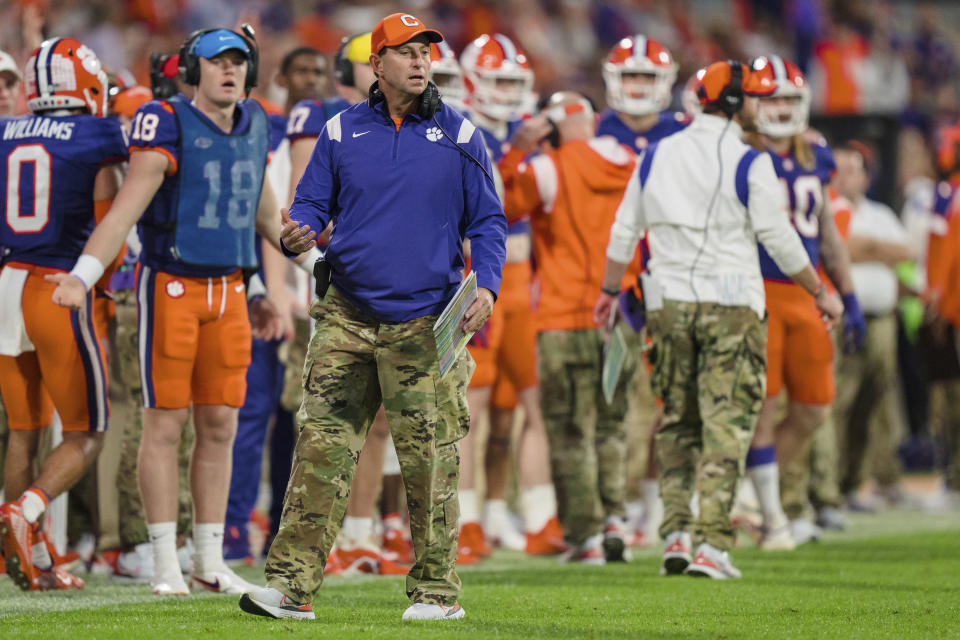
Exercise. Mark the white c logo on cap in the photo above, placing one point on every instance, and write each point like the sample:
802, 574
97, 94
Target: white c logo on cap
409, 21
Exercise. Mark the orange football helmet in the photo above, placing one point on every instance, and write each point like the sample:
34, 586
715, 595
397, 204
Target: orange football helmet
639, 55
690, 98
787, 117
445, 72
63, 73
498, 77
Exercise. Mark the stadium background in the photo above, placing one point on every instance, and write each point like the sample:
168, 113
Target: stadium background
876, 67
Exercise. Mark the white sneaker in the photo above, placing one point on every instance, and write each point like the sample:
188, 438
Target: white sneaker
712, 563
590, 553
135, 565
168, 581
272, 603
778, 539
424, 611
615, 540
676, 553
221, 579
803, 531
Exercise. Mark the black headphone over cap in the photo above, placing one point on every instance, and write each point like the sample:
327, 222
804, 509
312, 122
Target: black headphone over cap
342, 65
730, 100
190, 62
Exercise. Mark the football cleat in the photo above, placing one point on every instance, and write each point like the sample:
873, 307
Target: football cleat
676, 553
56, 579
832, 518
333, 566
548, 541
803, 531
424, 611
367, 560
474, 539
271, 603
220, 579
17, 543
396, 546
712, 563
68, 560
135, 565
778, 539
168, 581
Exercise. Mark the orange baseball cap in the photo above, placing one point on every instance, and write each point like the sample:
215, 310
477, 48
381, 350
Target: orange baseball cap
718, 77
398, 28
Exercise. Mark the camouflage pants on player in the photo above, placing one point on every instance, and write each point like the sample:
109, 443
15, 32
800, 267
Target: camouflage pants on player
127, 414
709, 367
353, 363
588, 437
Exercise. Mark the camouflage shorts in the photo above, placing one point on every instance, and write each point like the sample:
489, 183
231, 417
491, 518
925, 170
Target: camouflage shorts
709, 367
355, 362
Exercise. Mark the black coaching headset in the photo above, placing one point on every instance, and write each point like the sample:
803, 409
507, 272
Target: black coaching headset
342, 65
730, 98
190, 61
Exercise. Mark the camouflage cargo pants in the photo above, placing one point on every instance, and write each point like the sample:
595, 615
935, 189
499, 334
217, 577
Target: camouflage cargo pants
126, 414
709, 367
353, 363
588, 437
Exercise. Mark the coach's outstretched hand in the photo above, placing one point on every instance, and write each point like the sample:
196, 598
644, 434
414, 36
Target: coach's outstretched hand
479, 312
294, 236
264, 319
70, 292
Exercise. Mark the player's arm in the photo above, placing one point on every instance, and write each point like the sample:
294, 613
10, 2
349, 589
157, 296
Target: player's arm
147, 171
833, 250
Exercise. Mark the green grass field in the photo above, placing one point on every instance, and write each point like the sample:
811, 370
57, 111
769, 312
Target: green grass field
896, 575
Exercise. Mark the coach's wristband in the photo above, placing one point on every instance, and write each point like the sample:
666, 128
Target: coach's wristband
88, 270
307, 260
613, 293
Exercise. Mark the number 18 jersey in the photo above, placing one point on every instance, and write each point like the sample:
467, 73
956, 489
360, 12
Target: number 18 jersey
157, 128
806, 200
46, 182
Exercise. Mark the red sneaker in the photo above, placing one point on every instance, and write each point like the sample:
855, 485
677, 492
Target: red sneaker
17, 543
473, 538
638, 539
365, 560
333, 567
589, 553
548, 541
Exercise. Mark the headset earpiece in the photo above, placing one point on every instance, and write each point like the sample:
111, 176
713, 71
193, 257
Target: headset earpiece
731, 98
342, 65
190, 63
430, 102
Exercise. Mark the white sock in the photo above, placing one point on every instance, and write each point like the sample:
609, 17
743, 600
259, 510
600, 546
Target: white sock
539, 505
163, 544
469, 512
635, 513
495, 511
208, 546
32, 505
766, 481
41, 556
357, 529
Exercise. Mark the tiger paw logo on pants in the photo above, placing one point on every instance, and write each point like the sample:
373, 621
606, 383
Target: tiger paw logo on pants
434, 134
175, 289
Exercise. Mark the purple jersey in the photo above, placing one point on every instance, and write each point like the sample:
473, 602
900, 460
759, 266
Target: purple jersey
308, 117
806, 200
155, 128
667, 124
51, 166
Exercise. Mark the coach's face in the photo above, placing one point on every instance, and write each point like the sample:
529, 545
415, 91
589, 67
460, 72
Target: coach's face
405, 68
